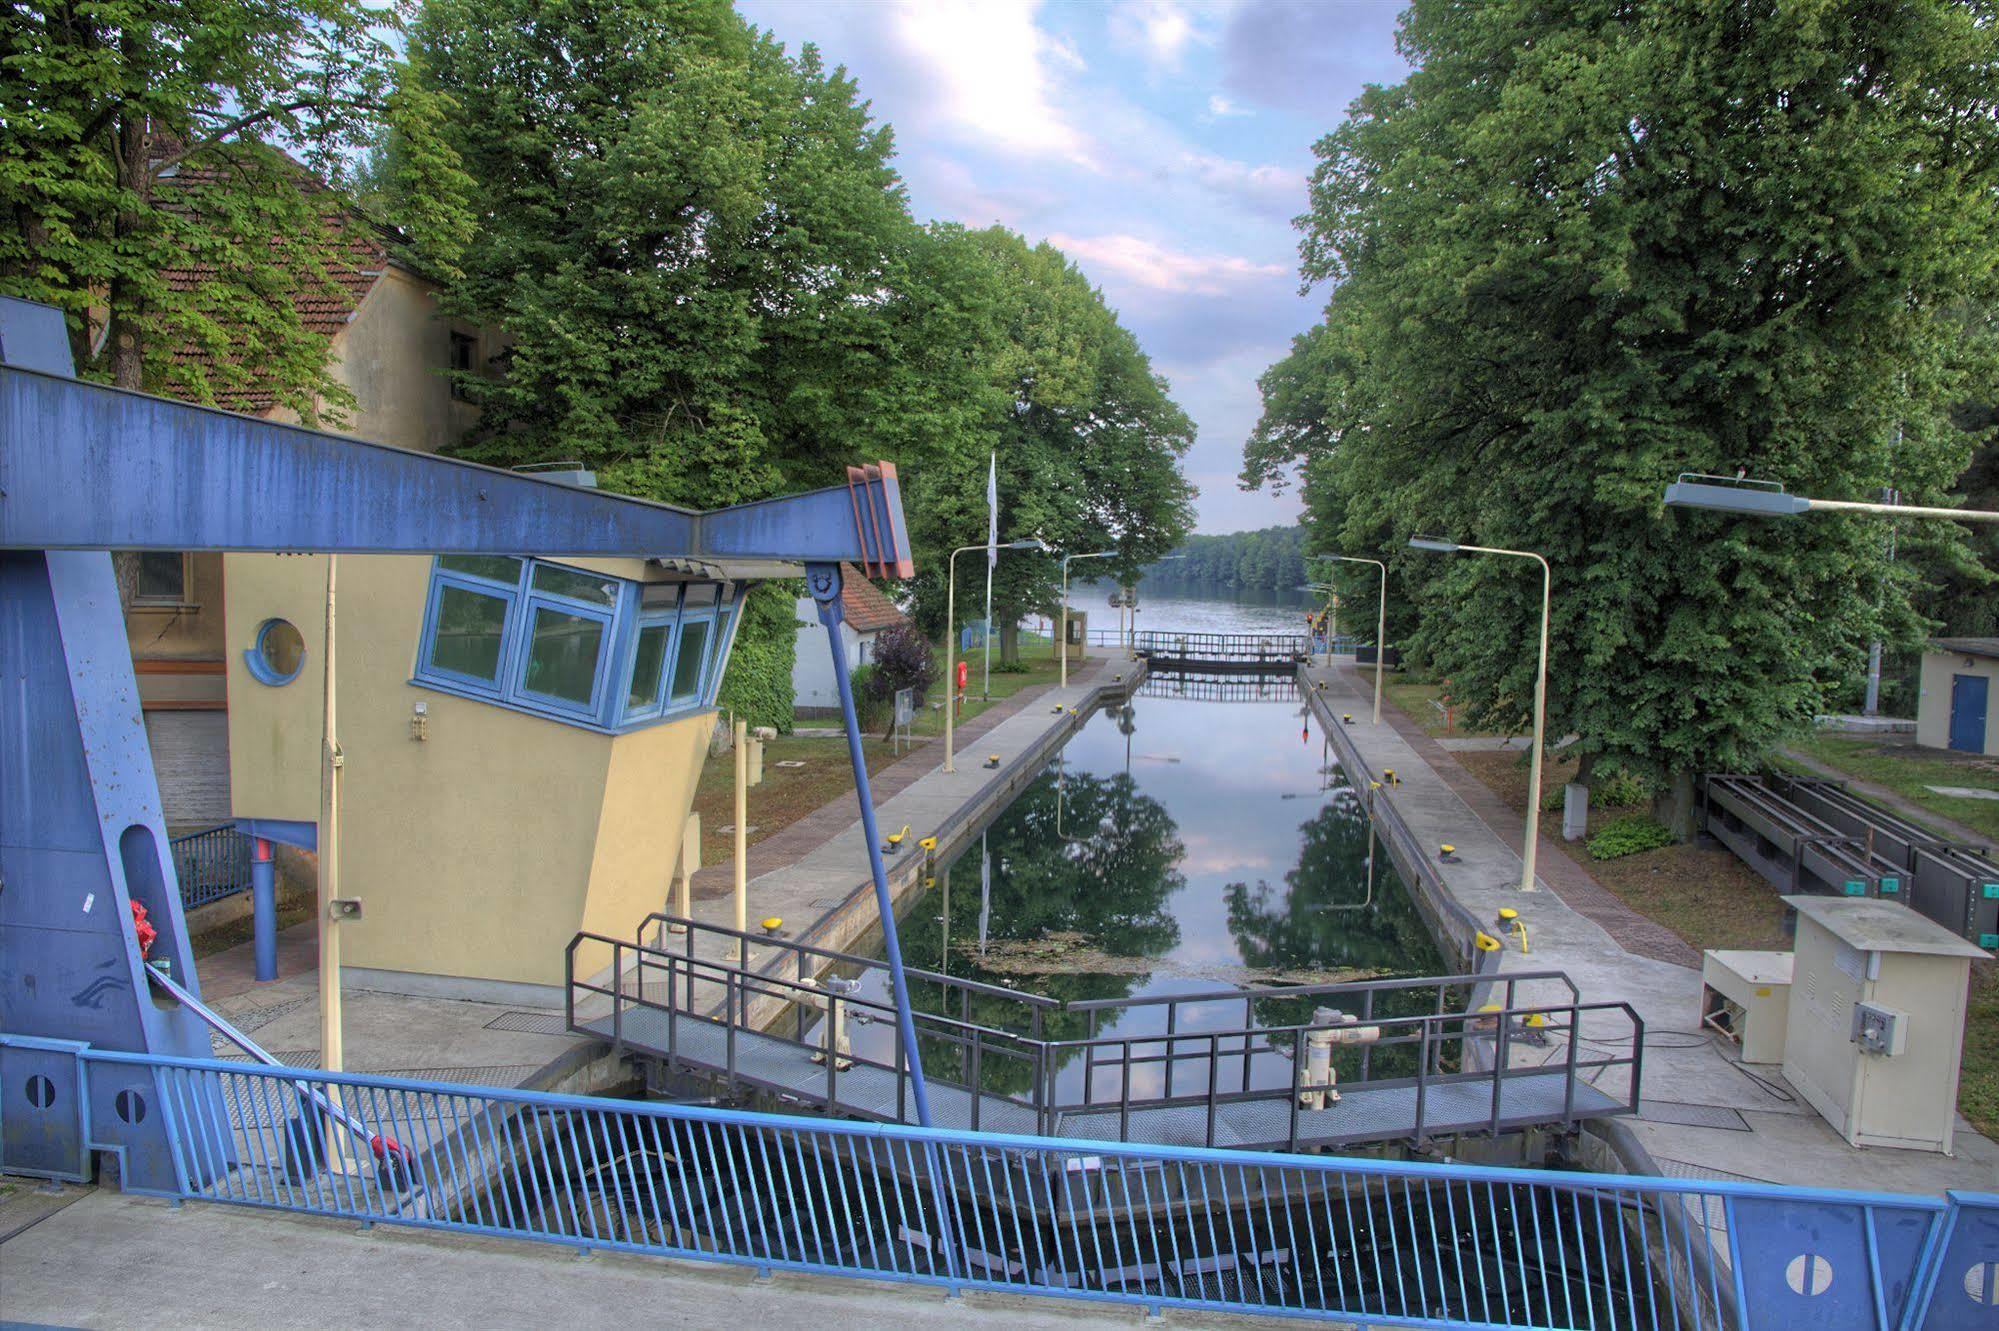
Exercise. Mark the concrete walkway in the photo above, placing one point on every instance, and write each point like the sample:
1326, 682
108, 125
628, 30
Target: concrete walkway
1706, 1115
111, 1261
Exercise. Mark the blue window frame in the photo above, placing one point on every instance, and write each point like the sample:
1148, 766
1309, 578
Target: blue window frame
573, 645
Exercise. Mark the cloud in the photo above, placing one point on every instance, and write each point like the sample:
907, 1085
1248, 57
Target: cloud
1275, 190
992, 73
1144, 264
1309, 56
1159, 30
1221, 108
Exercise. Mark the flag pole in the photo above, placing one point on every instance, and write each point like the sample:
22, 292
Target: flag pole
992, 559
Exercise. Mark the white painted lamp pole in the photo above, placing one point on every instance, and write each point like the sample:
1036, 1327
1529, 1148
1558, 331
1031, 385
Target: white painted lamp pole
1380, 626
951, 633
1531, 839
1062, 635
1767, 499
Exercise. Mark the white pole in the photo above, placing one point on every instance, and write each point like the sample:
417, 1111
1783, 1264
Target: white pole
741, 734
1062, 635
1540, 739
987, 689
331, 1047
951, 651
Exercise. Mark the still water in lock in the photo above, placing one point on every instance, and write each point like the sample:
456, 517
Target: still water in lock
1176, 846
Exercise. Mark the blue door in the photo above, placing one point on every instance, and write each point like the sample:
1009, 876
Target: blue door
1967, 712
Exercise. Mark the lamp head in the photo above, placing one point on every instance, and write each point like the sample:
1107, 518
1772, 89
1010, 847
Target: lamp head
1760, 499
1433, 544
1031, 543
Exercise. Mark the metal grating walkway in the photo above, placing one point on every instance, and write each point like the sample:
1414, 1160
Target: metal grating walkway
1364, 1113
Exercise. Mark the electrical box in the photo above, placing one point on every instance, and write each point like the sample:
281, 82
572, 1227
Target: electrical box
1876, 1029
1746, 999
1077, 641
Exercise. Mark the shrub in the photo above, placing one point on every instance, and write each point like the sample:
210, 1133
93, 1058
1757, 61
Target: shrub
1618, 790
871, 706
1629, 835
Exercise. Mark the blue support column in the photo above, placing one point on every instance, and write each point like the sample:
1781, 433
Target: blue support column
264, 908
824, 582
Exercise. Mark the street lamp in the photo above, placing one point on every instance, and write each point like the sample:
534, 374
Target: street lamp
1532, 837
1062, 637
1768, 499
1380, 627
951, 631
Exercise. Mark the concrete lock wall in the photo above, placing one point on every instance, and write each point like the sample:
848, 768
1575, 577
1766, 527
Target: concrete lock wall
1933, 702
479, 850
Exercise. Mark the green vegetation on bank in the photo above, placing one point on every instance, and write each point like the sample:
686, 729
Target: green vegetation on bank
1584, 248
1272, 559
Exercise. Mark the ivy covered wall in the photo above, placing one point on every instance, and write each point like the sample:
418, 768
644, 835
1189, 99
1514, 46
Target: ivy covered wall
757, 686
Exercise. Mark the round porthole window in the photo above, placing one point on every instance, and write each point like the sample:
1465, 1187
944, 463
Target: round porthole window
278, 653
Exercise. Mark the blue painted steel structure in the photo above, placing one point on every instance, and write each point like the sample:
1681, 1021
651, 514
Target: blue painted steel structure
1312, 1236
85, 469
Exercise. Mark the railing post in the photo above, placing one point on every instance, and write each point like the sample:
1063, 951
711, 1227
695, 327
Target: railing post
1502, 1055
731, 1000
1124, 1092
1172, 1024
978, 1065
1297, 1071
1214, 1085
617, 999
1569, 1076
1422, 1074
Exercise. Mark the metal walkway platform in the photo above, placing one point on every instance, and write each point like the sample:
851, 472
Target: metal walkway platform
1195, 1074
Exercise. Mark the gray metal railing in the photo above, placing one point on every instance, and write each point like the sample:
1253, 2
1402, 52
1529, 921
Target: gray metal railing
1176, 1060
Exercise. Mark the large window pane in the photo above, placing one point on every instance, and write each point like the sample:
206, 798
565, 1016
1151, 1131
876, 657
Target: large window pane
562, 655
647, 663
470, 626
687, 662
494, 568
576, 586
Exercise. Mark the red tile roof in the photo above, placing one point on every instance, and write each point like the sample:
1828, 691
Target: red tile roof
355, 255
866, 608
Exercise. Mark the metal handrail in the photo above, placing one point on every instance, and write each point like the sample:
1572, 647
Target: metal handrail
832, 955
1317, 990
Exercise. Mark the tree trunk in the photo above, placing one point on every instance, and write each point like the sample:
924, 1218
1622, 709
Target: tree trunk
1674, 805
126, 340
1009, 641
1585, 769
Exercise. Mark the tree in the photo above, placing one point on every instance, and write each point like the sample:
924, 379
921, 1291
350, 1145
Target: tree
902, 660
1586, 247
144, 138
1087, 436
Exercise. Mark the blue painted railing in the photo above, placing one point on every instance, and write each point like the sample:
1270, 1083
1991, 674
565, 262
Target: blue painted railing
211, 864
1324, 1237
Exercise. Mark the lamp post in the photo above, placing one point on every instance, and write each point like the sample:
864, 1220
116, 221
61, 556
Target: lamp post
951, 632
1531, 839
1768, 499
1062, 636
1380, 626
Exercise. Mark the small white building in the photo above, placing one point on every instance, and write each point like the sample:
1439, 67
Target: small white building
1957, 706
814, 691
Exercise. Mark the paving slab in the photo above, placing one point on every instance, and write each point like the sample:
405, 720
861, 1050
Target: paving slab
1615, 955
113, 1261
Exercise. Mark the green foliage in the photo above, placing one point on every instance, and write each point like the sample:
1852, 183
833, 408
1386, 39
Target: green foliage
704, 258
143, 138
872, 708
1272, 559
1618, 790
1087, 437
1584, 248
1629, 835
757, 684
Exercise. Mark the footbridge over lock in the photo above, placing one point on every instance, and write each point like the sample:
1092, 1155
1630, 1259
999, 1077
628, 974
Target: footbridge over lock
1410, 1061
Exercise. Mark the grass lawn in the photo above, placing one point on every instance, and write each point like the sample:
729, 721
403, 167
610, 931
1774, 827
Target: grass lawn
1910, 771
1040, 667
1419, 699
787, 793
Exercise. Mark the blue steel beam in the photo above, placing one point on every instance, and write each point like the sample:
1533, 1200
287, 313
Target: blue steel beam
86, 467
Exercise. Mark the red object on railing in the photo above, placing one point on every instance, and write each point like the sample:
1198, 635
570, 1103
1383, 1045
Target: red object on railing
143, 929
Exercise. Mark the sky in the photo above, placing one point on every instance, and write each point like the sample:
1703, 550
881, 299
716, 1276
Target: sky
1163, 144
